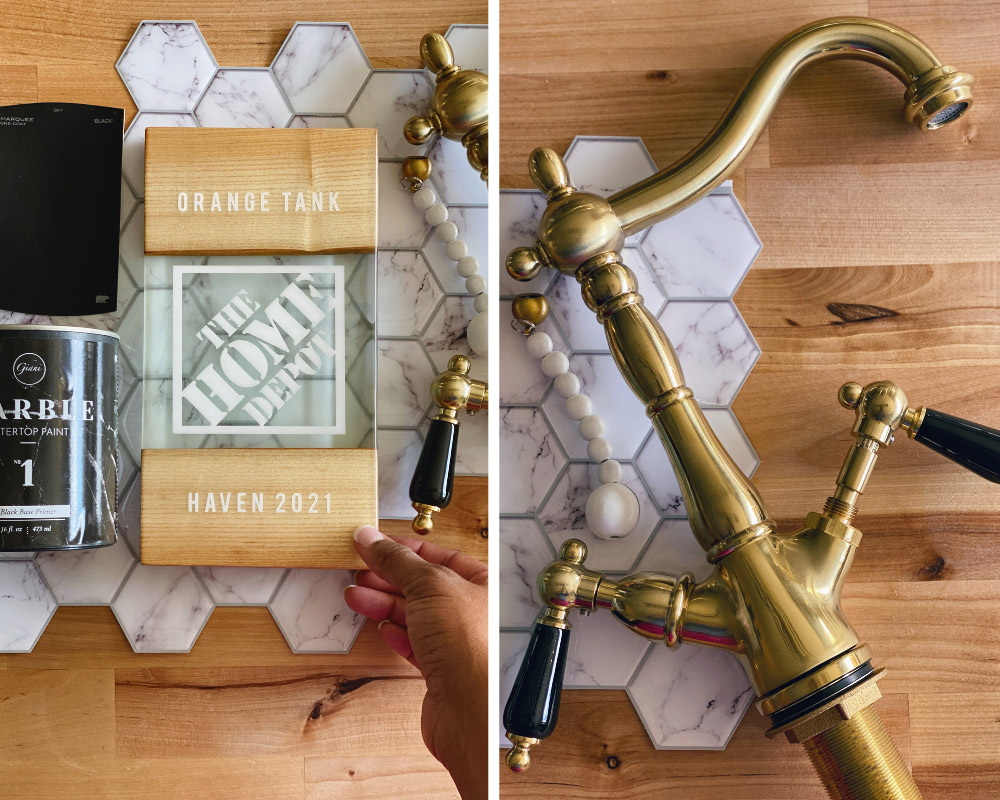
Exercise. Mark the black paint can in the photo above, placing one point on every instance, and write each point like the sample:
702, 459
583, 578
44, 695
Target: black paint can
58, 437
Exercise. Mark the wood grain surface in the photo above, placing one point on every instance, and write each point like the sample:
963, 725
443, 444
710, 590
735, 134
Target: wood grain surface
240, 716
854, 209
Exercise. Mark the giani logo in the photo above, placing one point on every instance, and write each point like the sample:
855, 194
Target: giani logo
29, 369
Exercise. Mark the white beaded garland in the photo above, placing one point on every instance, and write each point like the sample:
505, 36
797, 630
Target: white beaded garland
555, 363
482, 302
424, 198
609, 471
446, 232
467, 266
456, 249
612, 511
566, 384
540, 345
598, 450
592, 426
475, 284
436, 214
478, 334
578, 406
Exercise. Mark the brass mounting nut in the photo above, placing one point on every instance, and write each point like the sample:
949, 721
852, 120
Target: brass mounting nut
833, 713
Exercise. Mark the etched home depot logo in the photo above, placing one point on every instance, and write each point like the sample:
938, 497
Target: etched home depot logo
258, 349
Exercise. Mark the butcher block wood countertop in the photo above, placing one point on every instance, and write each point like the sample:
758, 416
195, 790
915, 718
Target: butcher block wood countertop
240, 717
857, 209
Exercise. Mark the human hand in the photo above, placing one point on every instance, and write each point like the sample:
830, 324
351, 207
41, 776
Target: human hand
431, 605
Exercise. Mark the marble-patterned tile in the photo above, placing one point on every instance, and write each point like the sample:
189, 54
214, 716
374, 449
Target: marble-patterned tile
404, 382
563, 517
127, 380
86, 577
471, 46
579, 322
129, 330
319, 121
243, 98
134, 144
130, 425
605, 165
26, 606
398, 452
19, 555
654, 464
621, 410
240, 586
126, 203
408, 292
602, 652
401, 224
473, 448
674, 550
714, 345
321, 66
512, 647
129, 512
311, 613
389, 98
690, 698
530, 460
445, 335
162, 609
705, 250
519, 212
166, 66
521, 376
524, 553
460, 184
473, 228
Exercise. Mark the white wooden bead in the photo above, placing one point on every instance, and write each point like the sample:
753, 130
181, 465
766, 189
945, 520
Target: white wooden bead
436, 214
475, 284
578, 406
446, 232
482, 302
612, 511
591, 426
566, 384
555, 363
609, 471
599, 450
456, 249
424, 198
478, 334
468, 266
539, 345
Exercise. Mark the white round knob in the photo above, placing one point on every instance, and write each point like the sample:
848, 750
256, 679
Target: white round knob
612, 511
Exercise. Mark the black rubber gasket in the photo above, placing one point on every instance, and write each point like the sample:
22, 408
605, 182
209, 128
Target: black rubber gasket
822, 696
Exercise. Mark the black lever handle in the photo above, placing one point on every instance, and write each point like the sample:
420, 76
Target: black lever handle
434, 477
533, 706
974, 446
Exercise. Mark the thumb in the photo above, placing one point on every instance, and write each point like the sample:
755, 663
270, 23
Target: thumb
392, 561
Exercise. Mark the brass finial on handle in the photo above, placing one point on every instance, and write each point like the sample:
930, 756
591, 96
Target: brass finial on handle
459, 107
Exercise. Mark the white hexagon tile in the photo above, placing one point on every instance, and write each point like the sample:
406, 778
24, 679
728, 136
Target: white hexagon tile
320, 78
688, 269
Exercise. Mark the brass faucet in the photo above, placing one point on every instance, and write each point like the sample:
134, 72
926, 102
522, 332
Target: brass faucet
773, 599
434, 477
459, 107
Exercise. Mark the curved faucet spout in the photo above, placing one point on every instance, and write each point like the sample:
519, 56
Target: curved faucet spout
935, 96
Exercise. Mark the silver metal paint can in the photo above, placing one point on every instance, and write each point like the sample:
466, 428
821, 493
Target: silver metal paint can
58, 437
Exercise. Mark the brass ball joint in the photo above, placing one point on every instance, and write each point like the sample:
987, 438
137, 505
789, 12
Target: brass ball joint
773, 599
459, 107
434, 476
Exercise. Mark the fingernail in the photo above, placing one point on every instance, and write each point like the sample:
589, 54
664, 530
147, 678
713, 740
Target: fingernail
350, 586
366, 535
383, 622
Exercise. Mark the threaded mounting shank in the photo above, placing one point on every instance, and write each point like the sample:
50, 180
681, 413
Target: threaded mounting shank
856, 760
